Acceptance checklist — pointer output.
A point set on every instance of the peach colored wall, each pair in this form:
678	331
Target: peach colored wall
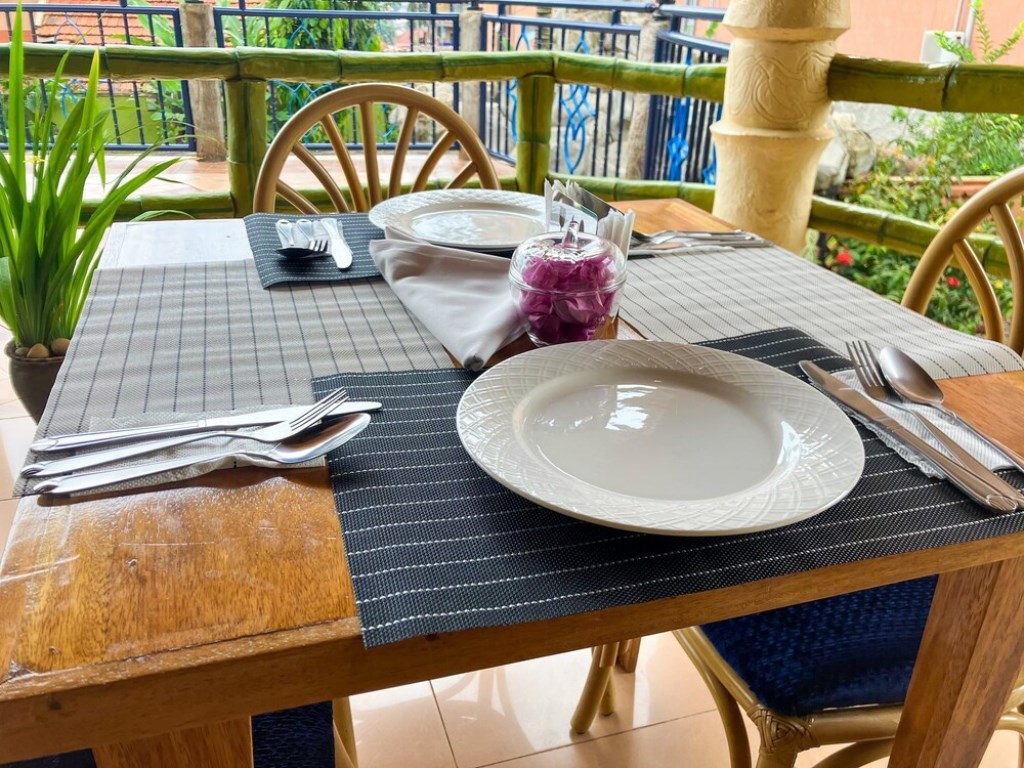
893	30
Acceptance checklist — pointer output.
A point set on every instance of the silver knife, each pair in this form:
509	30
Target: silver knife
258	418
339	248
975	487
329	438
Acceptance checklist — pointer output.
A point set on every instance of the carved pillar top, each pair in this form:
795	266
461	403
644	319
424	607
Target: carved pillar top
773	128
789	20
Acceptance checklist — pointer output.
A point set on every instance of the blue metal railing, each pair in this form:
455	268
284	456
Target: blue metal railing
590	123
678	130
143	113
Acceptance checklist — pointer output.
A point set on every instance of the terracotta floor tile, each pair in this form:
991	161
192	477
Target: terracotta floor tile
504	713
400	728
690	741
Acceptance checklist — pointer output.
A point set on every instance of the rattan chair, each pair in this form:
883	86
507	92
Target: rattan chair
339	106
995	201
832	671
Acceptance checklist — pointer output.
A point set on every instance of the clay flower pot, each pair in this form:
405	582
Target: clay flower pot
32	379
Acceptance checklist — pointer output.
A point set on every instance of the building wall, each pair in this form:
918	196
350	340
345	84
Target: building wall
894	30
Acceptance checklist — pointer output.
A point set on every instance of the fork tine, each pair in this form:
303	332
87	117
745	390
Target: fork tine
860	364
873	369
317	412
318	409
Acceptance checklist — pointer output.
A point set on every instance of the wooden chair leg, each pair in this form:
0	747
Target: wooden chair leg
629	652
344	735
595	694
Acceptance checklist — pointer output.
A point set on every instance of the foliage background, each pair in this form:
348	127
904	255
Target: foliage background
916	176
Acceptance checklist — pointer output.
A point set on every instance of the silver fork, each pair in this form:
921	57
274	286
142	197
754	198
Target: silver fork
872	379
274	433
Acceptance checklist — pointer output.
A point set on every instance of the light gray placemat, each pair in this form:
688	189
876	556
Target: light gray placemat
206	338
715	293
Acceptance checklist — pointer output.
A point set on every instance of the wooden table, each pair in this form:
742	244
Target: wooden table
113	631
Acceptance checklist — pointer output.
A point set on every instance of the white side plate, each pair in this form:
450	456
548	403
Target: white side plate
660	437
481	219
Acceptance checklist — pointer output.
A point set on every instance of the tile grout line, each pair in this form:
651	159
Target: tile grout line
594	739
444	725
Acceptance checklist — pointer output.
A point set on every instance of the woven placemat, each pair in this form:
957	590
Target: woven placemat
274	268
435	545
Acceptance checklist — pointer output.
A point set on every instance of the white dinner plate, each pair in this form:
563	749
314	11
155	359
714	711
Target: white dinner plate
481	219
660	437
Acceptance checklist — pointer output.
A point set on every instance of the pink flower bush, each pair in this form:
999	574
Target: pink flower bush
565	300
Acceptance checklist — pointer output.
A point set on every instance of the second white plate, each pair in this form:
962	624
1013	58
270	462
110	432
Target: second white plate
660	437
480	219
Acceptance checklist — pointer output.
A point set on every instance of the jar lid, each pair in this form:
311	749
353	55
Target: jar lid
570	245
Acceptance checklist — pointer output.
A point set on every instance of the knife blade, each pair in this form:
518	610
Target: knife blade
339	248
255	419
973	486
330	437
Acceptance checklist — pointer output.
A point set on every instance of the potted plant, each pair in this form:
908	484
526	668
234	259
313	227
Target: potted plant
47	258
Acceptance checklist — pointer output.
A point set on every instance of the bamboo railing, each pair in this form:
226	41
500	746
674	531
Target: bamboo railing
245	72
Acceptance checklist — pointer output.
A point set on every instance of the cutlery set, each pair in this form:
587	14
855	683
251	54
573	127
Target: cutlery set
590	205
675	240
296	434
323	237
894	379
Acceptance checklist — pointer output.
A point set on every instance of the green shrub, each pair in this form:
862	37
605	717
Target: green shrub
915	178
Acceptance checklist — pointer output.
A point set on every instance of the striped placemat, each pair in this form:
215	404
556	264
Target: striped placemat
274	269
435	545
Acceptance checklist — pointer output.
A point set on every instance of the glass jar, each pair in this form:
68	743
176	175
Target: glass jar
566	285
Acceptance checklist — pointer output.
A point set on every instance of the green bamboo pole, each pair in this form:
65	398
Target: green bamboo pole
898	233
611	189
200	205
956	87
137	62
247	139
953	87
702	81
533	120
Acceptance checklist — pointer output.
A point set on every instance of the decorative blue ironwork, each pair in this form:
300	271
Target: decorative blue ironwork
677	147
523	43
576	104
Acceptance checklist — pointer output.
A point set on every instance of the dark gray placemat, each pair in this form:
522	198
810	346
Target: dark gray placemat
435	545
274	268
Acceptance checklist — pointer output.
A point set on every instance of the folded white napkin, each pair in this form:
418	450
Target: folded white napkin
462	297
977	448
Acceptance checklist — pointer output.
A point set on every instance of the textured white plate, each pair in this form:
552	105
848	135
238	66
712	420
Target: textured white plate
660	437
482	219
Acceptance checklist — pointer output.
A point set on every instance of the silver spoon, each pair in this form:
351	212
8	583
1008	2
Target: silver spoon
293	451
915	384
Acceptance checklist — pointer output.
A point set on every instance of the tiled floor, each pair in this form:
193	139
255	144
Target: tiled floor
515	716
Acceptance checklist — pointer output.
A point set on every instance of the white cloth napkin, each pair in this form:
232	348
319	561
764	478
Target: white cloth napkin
462	297
977	448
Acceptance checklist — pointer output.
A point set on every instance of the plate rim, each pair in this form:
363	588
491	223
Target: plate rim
385	212
565	359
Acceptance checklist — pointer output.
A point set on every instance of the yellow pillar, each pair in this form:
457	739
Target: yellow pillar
772	130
